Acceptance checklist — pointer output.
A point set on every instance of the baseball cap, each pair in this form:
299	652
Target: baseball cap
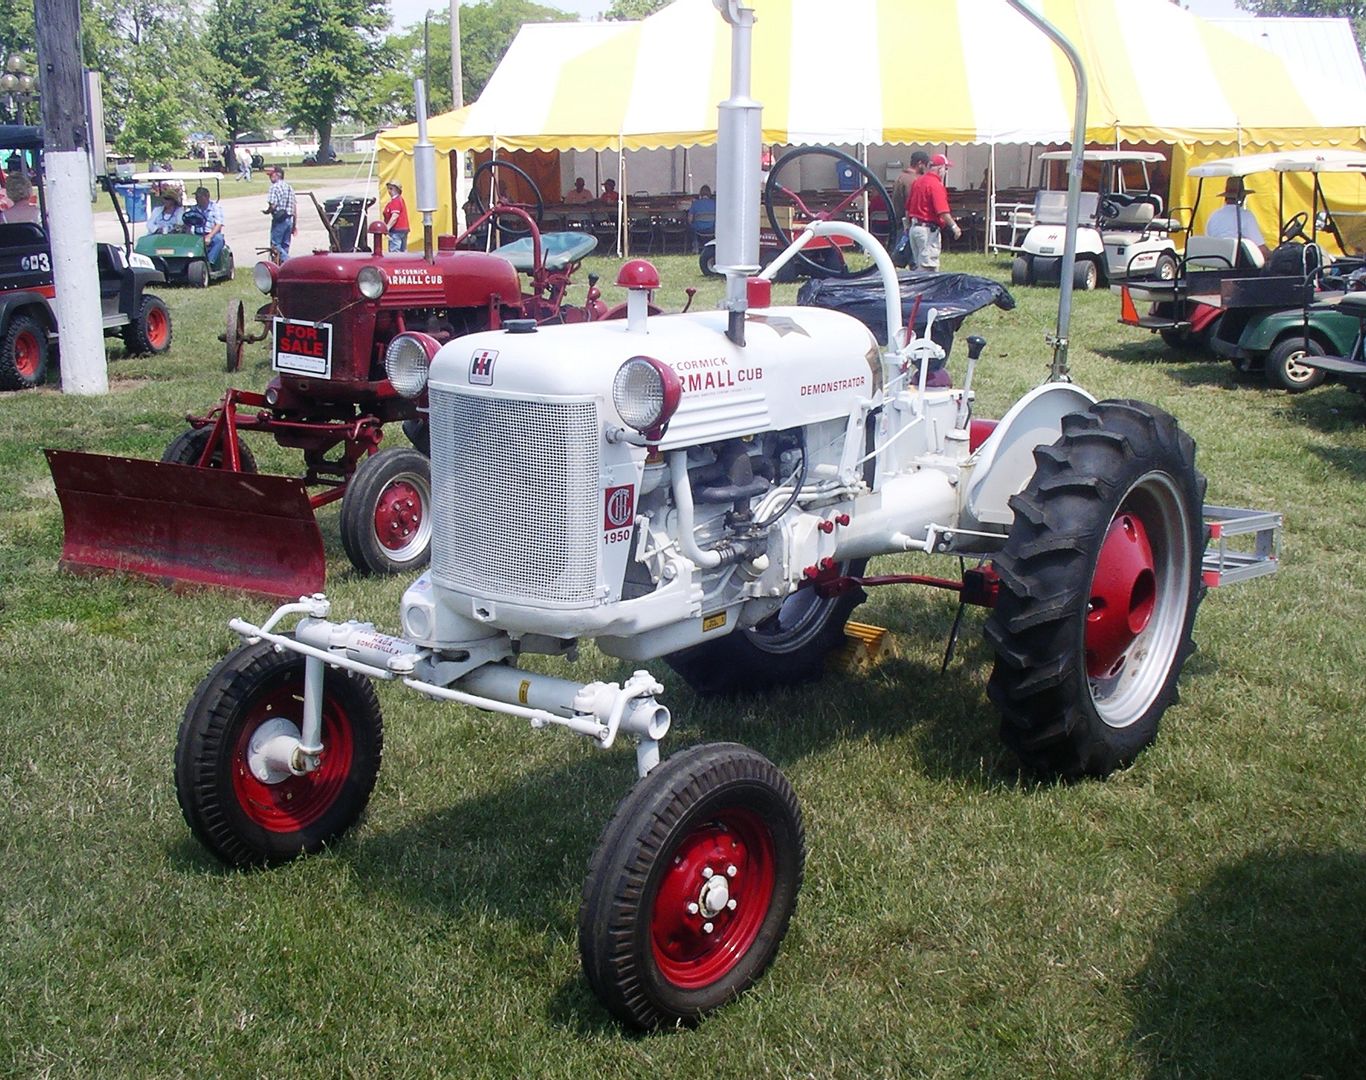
939	159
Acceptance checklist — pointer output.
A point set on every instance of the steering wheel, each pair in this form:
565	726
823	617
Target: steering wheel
829	261
1294	227
510	224
1109	208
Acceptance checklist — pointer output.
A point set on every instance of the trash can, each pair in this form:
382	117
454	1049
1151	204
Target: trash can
135	200
347	215
846	176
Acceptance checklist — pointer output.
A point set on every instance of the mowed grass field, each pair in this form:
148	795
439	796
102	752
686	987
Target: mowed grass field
1199	914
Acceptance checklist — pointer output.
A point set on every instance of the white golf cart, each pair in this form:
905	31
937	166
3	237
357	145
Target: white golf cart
1121	233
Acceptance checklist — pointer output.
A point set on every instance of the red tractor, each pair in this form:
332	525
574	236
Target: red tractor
342	372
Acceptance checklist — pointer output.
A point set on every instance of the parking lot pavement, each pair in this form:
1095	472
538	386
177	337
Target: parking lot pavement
247	228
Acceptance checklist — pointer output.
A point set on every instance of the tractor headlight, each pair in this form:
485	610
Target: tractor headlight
263	275
646	393
406	361
371	282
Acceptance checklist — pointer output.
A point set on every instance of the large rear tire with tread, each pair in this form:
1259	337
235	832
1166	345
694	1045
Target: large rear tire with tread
24	353
150	331
188	447
1100	582
386	515
243	812
692	886
787	648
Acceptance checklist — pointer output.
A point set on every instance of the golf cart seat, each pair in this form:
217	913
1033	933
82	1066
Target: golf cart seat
558	249
1221	253
21	234
1134	217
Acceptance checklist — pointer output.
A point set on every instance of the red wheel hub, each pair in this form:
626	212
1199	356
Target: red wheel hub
157	328
26	354
713	898
1123	595
398	515
296	801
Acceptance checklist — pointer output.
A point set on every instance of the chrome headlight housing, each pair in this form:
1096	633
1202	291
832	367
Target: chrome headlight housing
371	282
263	276
646	393
406	361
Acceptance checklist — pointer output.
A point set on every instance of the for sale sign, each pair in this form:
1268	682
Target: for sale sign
302	348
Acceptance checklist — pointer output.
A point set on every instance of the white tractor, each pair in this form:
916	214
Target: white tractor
1121	232
706	490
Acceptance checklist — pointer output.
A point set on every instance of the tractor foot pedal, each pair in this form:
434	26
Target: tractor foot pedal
864	646
1257	554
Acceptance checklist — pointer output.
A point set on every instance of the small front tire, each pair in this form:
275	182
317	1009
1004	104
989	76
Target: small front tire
150	331
386	515
246	814
1085	275
692	886
1022	270
187	448
24	354
1285	367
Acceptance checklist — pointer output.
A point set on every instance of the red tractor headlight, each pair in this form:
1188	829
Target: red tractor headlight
646	393
263	275
406	361
371	282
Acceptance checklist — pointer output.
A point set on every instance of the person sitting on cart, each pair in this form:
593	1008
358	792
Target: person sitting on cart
19	203
1233	220
168	217
205	218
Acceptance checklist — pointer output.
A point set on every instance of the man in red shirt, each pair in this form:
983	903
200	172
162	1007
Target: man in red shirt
927	210
396	217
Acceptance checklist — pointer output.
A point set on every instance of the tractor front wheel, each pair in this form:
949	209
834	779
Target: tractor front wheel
1100	581
386	515
788	647
242	807
692	886
187	448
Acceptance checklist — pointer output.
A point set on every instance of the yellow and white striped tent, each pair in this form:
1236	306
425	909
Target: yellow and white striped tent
891	71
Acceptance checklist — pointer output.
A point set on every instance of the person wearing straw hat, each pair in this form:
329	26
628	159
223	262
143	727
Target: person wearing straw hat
1233	220
167	218
396	217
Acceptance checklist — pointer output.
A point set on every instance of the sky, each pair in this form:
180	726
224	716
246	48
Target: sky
407	12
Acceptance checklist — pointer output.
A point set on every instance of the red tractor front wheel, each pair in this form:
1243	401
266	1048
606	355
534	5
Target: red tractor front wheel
692	886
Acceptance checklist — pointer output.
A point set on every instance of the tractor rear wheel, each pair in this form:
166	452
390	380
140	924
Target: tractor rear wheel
386	515
1285	367
188	447
787	648
243	809
1100	581
692	886
150	330
24	353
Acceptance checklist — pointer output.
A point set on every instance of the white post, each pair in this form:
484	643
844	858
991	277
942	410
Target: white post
72	235
460	189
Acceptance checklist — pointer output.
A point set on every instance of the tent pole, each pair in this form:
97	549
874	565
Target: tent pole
991	200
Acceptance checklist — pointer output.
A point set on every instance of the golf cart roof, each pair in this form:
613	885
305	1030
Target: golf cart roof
1150	156
1246	164
1323	161
20	137
153	177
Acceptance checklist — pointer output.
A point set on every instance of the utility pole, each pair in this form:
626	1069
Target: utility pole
459	189
71	222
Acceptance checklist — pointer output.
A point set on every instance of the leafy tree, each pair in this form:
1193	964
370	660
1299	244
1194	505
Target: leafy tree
151	128
241	37
634	9
331	52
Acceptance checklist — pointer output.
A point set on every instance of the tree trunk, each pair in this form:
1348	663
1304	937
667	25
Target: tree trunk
324	143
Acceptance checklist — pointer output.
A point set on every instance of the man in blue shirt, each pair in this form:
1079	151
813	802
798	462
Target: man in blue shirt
280	207
209	224
702	217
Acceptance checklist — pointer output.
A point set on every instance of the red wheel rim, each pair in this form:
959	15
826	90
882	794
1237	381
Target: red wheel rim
398	515
720	875
297	801
27	352
1123	595
158	328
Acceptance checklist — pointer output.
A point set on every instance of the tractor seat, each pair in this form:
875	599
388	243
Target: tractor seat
558	249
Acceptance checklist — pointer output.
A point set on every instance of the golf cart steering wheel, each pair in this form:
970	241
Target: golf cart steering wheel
1294	227
508	224
1109	208
829	261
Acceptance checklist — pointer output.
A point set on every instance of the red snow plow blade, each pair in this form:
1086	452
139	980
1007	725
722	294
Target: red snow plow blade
177	523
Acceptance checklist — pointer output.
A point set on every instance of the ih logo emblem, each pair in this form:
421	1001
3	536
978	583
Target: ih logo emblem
619	505
481	367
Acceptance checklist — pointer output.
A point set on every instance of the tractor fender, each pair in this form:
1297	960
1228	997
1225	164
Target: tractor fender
1004	463
30	303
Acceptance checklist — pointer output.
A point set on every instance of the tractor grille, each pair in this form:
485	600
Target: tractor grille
311	301
517	498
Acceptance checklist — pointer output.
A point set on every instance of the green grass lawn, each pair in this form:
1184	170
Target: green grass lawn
1199	914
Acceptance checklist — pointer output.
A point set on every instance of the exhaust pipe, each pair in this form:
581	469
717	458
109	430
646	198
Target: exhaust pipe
424	165
739	133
